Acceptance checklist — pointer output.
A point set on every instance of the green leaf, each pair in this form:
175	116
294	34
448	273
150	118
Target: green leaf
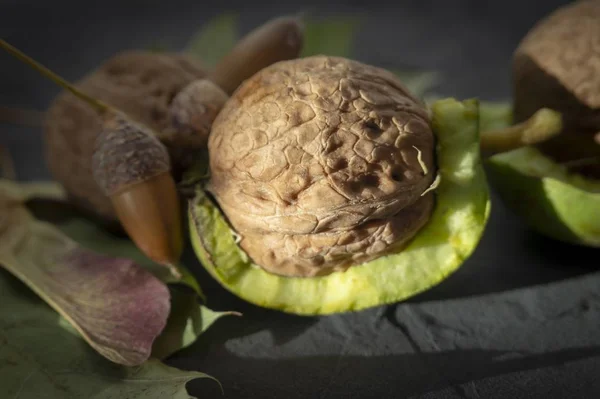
214	40
115	305
332	36
41	359
186	323
418	82
495	115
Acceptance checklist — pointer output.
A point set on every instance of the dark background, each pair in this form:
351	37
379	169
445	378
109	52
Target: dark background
518	320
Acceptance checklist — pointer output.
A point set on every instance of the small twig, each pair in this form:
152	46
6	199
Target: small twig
21	116
97	104
581	162
541	126
7	165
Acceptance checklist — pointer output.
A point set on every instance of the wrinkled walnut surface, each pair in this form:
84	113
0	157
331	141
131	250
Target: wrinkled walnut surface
141	84
323	253
311	160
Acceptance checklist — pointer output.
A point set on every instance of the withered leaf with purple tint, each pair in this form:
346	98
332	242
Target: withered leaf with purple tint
41	356
117	306
188	319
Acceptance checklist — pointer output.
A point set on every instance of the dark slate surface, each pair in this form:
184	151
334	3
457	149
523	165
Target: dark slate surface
520	319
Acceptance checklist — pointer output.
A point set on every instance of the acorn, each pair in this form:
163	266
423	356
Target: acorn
172	94
114	159
194	108
141	85
133	169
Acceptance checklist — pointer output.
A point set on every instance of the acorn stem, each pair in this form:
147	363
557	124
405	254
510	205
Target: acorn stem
97	104
541	126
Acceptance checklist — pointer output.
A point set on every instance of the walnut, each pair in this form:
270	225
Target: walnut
557	66
321	163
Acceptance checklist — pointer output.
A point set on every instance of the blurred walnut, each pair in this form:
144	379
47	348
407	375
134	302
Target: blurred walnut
557	65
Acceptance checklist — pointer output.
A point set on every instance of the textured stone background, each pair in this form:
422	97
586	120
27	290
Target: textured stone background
520	319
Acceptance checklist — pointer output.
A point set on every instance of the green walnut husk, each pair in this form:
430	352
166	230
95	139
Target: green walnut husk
447	240
552	201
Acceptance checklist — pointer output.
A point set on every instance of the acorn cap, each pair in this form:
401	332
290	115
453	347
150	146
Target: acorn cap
127	153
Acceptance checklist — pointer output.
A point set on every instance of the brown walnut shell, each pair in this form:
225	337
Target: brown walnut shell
314	160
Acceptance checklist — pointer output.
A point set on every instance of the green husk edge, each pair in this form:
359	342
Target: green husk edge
559	204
